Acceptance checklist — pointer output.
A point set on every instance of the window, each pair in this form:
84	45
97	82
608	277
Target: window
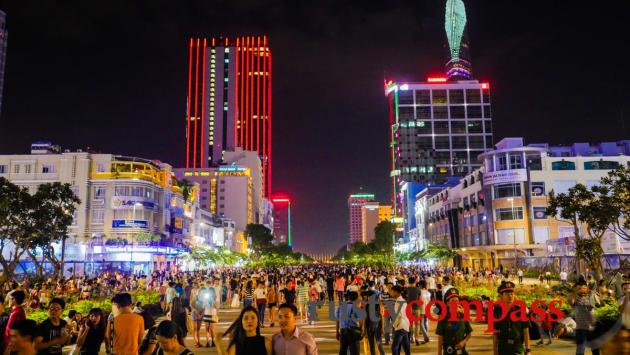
3	169
476	142
516	161
423	112
440	112
424	127
441	127
459	142
456	96
405	113
539	213
439	97
511	236
486	111
474	112
16	169
507	190
405	97
502	163
458	112
538	188
563	186
458	127
99	192
98	215
508	214
534	162
100	168
475	127
48	168
600	165
442	143
27	168
473	96
563	165
423	97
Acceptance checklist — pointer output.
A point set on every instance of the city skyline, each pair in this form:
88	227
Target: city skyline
120	86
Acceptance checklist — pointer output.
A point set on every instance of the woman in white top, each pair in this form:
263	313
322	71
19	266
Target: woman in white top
260	300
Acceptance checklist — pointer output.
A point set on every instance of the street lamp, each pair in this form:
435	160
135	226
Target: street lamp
137	204
513	229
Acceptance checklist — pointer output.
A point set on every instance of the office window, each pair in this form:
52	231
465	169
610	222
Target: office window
442	143
405	113
423	97
424	127
48	168
441	127
508	214
440	112
405	97
98	216
476	142
439	97
474	111
423	112
3	169
601	165
563	165
456	96
538	188
458	112
507	190
473	96
516	161
459	142
16	169
458	127
475	127
487	113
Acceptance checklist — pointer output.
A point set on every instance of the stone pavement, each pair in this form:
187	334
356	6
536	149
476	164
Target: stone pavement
324	333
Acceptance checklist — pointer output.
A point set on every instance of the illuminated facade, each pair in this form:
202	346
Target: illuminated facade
229	101
438	128
355	202
496	215
282	220
369	220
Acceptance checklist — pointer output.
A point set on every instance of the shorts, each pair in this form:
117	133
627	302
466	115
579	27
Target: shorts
210	319
271	305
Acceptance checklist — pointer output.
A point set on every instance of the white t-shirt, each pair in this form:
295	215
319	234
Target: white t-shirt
431	283
260	293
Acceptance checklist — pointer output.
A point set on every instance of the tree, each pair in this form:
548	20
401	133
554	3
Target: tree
260	235
15	226
383	237
186	187
54	205
592	210
147	237
618	185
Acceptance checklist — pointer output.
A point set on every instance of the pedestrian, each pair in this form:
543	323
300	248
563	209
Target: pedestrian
53	333
291	340
272	303
583	312
210	315
245	338
519	273
373	323
22	334
248	294
425	297
348	326
166	340
413	295
387	302
453	335
400	323
178	314
124	332
512	337
16	299
91	333
260	298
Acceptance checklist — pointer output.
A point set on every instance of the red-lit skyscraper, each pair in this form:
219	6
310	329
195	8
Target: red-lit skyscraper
229	101
282	220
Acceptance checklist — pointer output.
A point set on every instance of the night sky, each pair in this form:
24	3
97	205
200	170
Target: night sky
114	76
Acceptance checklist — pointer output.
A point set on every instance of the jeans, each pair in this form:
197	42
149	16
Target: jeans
374	335
261	313
347	344
401	339
581	338
340	297
424	327
388	327
331	295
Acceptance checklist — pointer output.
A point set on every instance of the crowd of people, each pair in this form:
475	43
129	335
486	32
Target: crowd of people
282	297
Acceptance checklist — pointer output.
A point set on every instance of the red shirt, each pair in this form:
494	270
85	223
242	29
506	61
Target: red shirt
16	314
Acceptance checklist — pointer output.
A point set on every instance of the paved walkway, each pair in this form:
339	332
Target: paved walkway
324	332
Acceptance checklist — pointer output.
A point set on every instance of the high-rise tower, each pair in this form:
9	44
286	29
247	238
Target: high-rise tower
458	67
229	101
3	52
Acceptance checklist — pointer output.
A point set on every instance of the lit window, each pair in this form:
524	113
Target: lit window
227	60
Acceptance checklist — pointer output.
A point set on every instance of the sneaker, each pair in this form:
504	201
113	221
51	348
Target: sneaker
417	342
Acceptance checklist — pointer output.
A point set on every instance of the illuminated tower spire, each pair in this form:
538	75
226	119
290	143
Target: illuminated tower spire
458	67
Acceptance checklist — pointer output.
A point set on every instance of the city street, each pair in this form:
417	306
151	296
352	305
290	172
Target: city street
324	333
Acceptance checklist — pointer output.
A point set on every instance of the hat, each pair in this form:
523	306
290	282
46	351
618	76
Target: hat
506	286
450	293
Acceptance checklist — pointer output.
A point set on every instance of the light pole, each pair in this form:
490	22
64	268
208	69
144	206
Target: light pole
137	204
513	229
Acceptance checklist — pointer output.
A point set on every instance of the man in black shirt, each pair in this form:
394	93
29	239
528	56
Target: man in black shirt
330	288
413	294
289	293
52	333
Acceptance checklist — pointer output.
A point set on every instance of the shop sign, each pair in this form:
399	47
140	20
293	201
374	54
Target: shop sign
129	223
122	202
505	176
